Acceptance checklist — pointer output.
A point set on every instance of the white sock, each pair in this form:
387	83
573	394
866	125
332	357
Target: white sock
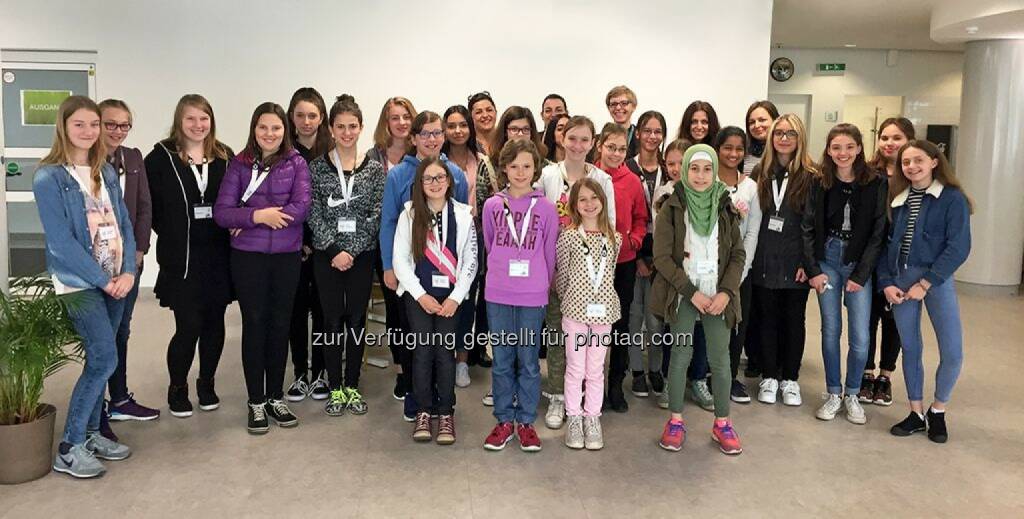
936	411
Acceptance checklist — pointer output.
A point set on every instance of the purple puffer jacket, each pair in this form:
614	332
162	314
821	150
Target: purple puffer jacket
287	187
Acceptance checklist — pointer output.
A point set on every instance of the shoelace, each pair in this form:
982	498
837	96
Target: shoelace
337	396
576	426
259	412
279	407
300	385
446	425
675	429
423	420
353	395
727	431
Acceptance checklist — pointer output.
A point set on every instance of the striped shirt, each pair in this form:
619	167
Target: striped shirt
914	205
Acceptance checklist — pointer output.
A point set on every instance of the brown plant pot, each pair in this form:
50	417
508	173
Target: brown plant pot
26	450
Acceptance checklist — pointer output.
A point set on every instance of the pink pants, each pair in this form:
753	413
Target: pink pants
585	349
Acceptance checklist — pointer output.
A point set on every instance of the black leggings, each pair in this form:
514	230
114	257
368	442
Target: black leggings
781	319
618	364
201	323
395	322
265	284
890	335
306	302
344	296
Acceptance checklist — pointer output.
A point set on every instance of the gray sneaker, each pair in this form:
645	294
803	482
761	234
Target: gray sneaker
462	375
663	397
701	395
78	462
106	449
593	437
574	432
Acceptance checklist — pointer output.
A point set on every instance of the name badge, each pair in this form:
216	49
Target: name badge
439	281
519	268
346	225
107	232
202	211
775	223
705	267
596	310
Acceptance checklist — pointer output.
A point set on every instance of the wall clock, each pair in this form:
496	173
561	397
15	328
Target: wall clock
781	69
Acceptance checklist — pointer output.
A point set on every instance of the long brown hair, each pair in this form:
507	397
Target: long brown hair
253	152
382	134
801	168
713	124
323	139
878	161
60	150
769	107
604	224
212	148
501	131
863	174
421	213
942	172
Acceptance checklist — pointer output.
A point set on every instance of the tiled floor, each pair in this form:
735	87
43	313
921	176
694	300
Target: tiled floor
368	466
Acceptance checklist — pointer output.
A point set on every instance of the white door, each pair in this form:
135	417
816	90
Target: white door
799	104
867	112
31	93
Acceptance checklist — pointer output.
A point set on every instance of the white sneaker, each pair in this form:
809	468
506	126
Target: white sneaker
854	411
556	412
462	375
593	437
828	410
574	433
488	399
790	392
767	390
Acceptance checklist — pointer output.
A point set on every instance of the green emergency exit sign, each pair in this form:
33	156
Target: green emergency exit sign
831	67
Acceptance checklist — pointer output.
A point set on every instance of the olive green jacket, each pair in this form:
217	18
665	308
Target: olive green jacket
671	281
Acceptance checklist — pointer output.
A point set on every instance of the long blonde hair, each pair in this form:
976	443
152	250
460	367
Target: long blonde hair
212	148
801	167
382	137
604	224
60	151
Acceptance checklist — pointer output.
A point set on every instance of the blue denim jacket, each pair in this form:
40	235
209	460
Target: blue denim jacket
942	235
68	246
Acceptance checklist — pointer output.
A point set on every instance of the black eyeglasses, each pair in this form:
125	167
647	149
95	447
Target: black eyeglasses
111	126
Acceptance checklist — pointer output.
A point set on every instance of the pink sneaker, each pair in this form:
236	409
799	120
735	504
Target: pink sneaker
725	435
673	436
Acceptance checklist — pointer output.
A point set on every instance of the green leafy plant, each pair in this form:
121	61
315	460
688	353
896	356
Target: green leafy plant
37	339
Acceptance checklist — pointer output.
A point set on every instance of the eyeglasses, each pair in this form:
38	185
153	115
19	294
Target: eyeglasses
435	179
482	94
787	134
619	104
437	134
610	148
515	130
111	126
652	131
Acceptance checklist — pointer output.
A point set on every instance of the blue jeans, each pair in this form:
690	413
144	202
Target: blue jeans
118	384
944	312
858	309
96	317
509	378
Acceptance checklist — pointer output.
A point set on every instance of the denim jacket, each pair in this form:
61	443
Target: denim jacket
68	246
942	235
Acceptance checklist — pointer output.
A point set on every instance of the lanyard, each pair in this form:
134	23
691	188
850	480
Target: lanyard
565	175
437	251
779	193
595	276
526	222
202	178
255	181
346	187
85	187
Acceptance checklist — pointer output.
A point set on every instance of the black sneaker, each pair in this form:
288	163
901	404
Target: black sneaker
911	424
738	393
178	402
657	382
485	360
278	411
616	398
752	371
936	426
208	399
400	389
640	385
299	389
258	423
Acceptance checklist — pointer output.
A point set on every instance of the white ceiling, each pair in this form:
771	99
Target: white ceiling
868	24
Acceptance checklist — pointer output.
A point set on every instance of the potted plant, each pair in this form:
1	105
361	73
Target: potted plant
37	338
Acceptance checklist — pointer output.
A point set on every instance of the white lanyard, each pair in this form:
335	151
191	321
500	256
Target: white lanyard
565	175
526	222
346	187
778	193
255	181
202	178
595	276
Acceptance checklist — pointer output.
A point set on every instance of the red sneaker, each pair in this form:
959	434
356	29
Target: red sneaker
499	437
728	440
528	439
673	436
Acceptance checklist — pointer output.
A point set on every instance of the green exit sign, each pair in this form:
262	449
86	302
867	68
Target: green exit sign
831	67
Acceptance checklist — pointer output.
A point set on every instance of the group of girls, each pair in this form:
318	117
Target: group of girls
705	246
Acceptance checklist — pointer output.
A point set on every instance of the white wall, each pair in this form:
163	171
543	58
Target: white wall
239	54
929	82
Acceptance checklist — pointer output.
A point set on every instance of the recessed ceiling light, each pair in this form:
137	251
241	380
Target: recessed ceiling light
972	29
850	45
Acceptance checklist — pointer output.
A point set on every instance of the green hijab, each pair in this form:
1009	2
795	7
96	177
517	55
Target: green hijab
701	206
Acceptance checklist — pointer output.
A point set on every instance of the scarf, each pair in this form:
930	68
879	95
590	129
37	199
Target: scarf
701	206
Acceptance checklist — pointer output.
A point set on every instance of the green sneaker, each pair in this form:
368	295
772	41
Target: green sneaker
701	395
356	404
336	403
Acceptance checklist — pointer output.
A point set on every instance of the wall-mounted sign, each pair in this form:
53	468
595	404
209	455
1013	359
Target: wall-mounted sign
39	107
830	69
